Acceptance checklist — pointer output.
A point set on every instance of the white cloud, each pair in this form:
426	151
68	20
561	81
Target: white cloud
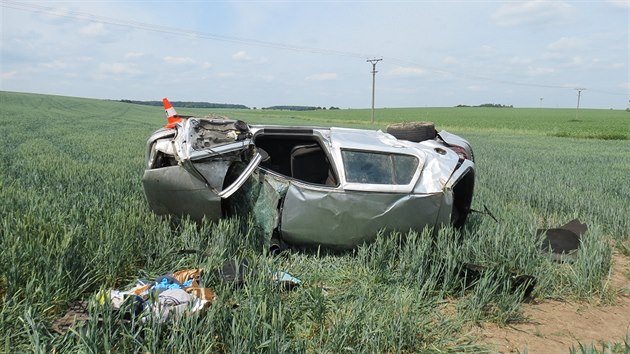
133	55
225	74
569	51
241	56
578	61
399	90
529	12
8	75
321	77
520	60
449	60
55	64
206	65
536	71
486	49
56	15
178	60
624	4
266	78
476	88
119	68
408	71
624	85
93	29
566	43
486	52
553	56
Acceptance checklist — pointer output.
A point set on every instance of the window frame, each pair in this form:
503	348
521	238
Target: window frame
379	187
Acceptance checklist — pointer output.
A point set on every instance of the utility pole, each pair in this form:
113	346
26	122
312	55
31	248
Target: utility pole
373	62
579	90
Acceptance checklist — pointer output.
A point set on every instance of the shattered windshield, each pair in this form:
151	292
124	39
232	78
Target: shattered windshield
378	168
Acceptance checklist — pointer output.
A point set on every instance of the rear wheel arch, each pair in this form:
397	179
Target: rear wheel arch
462	199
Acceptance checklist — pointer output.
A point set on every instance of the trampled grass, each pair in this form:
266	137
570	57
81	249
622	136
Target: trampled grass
74	221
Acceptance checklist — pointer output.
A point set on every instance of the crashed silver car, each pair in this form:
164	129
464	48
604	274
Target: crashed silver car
308	186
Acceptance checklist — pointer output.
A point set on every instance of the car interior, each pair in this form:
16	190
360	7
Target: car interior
297	156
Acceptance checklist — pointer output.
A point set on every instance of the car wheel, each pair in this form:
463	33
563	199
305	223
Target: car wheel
413	131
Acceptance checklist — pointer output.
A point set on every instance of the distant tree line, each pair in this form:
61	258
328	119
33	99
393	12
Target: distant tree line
299	108
187	104
490	105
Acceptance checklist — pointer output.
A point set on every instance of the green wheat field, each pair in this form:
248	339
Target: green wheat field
74	221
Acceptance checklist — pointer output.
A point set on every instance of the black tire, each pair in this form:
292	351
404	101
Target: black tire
413	131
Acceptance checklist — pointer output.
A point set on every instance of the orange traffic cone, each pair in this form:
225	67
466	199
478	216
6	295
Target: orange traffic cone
171	114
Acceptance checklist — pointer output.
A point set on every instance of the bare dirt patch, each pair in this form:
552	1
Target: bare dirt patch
554	326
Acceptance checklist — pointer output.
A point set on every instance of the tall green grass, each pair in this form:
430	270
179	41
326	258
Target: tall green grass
621	347
73	222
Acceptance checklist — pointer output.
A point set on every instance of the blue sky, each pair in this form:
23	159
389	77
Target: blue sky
264	53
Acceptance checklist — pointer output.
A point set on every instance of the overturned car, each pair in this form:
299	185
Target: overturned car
308	186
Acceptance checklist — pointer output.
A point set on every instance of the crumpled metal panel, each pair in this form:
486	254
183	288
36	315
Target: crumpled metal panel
199	138
203	149
354	217
440	163
214	172
453	139
446	207
173	190
150	153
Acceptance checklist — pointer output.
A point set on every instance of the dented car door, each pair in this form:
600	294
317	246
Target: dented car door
375	194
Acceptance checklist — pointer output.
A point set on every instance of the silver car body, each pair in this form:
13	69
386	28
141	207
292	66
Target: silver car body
309	186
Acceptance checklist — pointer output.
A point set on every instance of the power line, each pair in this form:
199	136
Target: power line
173	30
78	15
609	92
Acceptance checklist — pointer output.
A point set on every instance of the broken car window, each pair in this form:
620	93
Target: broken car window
378	168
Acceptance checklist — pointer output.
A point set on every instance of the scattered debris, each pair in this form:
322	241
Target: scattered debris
169	295
236	273
473	272
563	243
77	312
485	212
285	280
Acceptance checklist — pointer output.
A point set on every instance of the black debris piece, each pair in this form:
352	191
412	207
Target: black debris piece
234	272
472	272
77	313
562	243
